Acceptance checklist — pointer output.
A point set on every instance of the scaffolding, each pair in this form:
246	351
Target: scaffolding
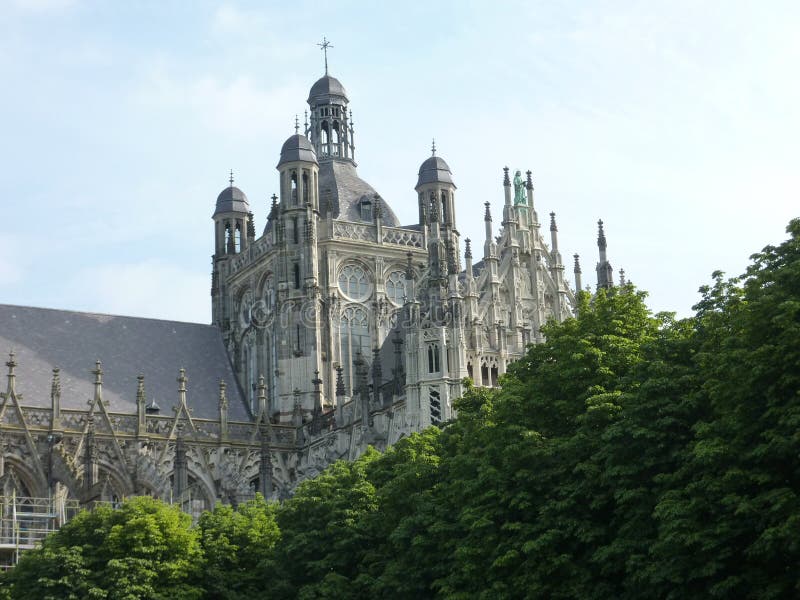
25	522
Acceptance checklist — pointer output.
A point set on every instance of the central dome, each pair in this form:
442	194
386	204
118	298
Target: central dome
325	87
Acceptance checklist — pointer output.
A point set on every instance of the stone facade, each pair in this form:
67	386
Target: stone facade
342	329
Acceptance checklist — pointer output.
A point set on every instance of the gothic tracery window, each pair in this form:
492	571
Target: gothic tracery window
353	337
354	283
396	287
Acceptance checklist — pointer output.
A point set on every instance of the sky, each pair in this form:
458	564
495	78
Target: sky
675	122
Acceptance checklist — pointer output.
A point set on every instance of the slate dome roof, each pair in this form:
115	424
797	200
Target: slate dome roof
297	147
326	86
434	170
232	199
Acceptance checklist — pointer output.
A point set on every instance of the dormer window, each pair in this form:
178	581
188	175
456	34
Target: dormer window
366	209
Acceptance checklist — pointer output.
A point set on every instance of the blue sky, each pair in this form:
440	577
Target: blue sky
677	123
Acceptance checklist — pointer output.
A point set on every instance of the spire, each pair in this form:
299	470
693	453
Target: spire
316	415
487	215
262	396
340	391
55	398
397	371
433	147
230	179
601	236
377	375
11	364
305	121
605	274
553	226
324	47
577	271
296	125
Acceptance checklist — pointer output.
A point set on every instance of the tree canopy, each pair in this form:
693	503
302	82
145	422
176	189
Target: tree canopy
631	455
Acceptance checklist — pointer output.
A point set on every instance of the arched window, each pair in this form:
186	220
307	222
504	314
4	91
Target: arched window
294	188
433	358
335	138
353	337
353	282
305	187
396	287
325	138
445	212
295	232
238	241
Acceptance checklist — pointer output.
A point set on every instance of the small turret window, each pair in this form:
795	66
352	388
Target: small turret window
335	139
305	187
325	138
433	358
294	188
445	212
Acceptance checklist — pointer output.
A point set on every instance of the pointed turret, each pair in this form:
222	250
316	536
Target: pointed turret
605	274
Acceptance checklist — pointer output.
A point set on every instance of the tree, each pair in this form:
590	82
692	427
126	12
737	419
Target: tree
238	545
144	550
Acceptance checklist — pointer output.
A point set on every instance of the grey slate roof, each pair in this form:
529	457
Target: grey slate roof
297	147
231	199
340	185
127	346
434	169
325	87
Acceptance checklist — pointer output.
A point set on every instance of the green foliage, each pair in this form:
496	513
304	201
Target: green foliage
629	456
238	545
145	549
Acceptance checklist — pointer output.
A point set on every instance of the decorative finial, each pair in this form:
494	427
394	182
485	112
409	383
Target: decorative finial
182	380
506	180
601	236
487	216
11	363
577	263
622	277
468	251
339	381
324	47
296	125
433	147
305	121
553	226
529	181
98	372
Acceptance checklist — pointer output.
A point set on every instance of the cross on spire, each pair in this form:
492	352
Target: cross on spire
324	47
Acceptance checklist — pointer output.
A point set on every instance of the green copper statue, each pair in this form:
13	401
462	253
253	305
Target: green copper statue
519	189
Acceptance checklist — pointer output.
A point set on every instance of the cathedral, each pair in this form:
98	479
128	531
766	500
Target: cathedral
333	328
